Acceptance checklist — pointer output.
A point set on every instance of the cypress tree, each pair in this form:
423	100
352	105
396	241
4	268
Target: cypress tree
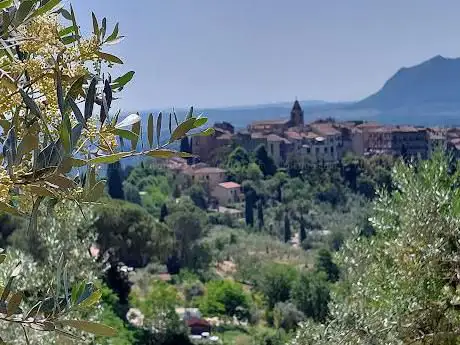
163	213
264	161
302	232
185	145
287	228
115	181
249	208
176	192
260	214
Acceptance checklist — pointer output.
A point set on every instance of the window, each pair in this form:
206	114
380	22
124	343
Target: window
207	177
271	148
317	150
308	150
332	149
325	150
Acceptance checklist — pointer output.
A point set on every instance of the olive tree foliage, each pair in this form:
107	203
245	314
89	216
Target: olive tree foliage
53	82
401	285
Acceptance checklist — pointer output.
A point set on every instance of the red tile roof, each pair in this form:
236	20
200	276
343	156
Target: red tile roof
274	137
270	122
210	170
229	185
294	135
194	321
325	129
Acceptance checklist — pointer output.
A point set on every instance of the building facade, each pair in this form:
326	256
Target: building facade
227	193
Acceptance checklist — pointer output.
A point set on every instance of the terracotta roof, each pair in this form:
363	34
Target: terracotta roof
325	129
229	185
210	170
293	135
368	125
381	129
270	122
309	135
405	129
274	137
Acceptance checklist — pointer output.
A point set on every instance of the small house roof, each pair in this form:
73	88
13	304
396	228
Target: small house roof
210	170
194	321
229	185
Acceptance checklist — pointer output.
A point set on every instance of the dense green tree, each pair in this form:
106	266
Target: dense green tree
253	172
115	181
187	224
351	169
366	186
310	293
131	193
198	196
264	161
238	157
238	165
129	234
287	228
224	297
325	264
275	282
287	316
399	286
157	304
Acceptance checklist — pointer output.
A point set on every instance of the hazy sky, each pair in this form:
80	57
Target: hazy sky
237	52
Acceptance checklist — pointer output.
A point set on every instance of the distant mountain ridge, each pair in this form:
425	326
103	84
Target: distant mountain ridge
436	80
424	94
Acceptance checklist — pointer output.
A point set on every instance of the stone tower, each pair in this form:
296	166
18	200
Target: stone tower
296	115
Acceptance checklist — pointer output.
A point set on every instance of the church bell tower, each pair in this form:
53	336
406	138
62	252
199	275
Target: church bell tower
296	115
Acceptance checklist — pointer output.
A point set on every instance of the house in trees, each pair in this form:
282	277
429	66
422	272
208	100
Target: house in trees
203	146
227	193
209	176
198	326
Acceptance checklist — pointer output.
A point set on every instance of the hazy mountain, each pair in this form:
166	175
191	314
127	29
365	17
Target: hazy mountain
436	81
424	94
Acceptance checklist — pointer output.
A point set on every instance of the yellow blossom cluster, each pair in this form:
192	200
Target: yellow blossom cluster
5	185
47	57
41	36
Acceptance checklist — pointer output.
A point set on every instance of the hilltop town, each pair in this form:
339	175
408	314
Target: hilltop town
327	141
292	141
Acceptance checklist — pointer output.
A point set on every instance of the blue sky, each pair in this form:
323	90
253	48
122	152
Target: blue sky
211	53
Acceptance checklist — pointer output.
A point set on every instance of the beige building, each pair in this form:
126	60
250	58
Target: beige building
410	141
227	193
204	146
210	176
379	140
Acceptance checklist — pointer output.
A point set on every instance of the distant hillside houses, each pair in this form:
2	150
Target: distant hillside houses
327	141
